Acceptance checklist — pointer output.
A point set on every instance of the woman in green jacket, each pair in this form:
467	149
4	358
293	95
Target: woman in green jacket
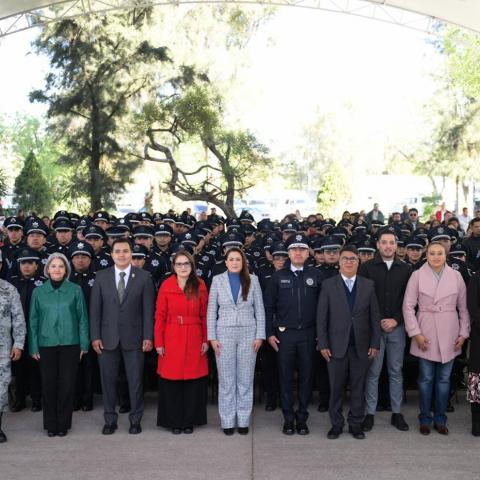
58	337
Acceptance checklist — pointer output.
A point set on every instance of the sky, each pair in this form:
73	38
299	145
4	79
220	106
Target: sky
375	77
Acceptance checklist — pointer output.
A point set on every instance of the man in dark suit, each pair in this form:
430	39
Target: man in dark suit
121	326
348	332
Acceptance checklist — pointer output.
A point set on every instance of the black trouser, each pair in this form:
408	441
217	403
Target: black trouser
58	367
182	403
27	378
296	347
323	380
109	362
269	373
84	383
340	369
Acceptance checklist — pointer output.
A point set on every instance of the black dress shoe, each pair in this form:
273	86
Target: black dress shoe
77	407
270	407
87	408
176	431
62	433
323	407
243	430
288	428
51	433
135	429
399	422
229	431
109	428
188	430
18	407
3	437
368	422
356	432
124	408
334	433
450	407
302	428
36	407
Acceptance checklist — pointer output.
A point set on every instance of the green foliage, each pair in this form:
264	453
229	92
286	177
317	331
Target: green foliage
99	66
31	191
334	193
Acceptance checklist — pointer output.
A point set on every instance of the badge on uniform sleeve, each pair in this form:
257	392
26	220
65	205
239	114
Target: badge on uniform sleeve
309	281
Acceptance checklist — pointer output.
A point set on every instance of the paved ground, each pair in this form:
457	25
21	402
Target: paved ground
264	454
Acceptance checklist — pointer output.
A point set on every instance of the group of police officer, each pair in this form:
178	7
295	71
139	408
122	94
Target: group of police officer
85	240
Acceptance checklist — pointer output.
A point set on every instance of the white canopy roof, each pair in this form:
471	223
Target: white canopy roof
465	13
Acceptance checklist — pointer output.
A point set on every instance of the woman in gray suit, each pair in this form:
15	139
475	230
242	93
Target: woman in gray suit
236	330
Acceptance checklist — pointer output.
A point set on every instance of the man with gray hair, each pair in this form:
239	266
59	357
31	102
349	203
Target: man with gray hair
12	338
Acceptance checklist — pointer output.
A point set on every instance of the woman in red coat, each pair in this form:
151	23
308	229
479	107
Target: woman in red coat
181	343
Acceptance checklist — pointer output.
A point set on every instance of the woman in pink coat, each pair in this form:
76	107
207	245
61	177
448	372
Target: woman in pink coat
438	331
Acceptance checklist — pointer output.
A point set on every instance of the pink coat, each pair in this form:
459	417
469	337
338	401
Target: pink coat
437	317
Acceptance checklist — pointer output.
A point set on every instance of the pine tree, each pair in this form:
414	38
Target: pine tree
31	192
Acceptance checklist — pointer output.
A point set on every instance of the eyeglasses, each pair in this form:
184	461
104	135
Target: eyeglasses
182	264
348	259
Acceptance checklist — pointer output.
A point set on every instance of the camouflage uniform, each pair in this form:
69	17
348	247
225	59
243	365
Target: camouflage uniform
12	328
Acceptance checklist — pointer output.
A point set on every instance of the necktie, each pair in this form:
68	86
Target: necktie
349	284
121	287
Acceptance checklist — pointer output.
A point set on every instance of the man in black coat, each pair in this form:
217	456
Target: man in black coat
121	326
390	276
348	331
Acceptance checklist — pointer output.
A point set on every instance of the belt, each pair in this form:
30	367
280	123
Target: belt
436	308
184	320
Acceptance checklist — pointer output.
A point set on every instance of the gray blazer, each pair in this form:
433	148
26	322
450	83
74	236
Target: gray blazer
224	312
335	320
129	322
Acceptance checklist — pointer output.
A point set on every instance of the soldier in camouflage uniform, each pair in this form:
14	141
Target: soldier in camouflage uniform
12	339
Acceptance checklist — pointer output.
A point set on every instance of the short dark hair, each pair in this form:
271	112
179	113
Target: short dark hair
413	210
349	248
386	232
122	240
473	221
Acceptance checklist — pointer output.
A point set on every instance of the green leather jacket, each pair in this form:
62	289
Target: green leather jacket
58	317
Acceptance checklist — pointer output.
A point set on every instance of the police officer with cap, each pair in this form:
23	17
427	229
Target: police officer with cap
26	371
415	247
14	241
81	255
63	229
95	236
290	304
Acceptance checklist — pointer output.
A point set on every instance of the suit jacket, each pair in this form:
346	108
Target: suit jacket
129	322
442	312
224	312
335	320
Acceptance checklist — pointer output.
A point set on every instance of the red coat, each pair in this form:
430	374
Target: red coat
181	327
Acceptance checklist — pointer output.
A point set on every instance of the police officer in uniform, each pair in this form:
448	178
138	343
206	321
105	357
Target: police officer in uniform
26	371
95	236
81	258
290	305
13	243
63	236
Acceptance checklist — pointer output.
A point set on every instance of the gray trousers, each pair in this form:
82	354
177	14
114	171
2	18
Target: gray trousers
339	370
236	368
5	377
109	362
394	344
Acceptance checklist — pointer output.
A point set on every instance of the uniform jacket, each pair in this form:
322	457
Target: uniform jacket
291	300
473	302
437	317
335	320
12	321
58	317
129	322
181	327
390	285
224	312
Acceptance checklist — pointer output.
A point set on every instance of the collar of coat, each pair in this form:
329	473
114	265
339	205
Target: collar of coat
64	287
378	259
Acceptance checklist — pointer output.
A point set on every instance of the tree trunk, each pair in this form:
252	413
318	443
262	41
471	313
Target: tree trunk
95	177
